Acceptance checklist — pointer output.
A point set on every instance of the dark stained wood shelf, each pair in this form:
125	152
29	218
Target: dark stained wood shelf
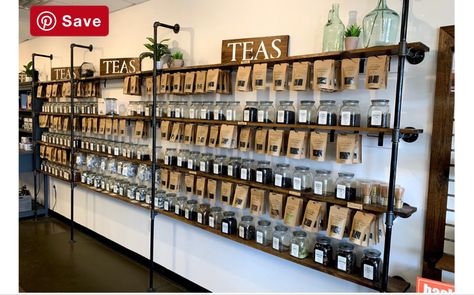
137	118
25	112
446	263
25	131
120	158
52	175
53	145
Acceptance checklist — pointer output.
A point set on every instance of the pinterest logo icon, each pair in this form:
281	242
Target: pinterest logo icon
46	21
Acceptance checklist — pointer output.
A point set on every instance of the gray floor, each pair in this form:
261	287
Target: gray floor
49	263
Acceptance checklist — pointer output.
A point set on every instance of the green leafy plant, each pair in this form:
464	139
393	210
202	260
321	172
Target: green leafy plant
162	49
177	55
352	31
28	69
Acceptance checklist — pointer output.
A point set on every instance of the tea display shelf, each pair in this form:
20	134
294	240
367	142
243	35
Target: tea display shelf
24	86
53	145
133	118
119	158
25	131
25	112
52	175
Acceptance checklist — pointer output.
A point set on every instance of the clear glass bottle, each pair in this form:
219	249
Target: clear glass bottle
264	172
247	228
323	251
229	223
169	204
193	160
171	157
286	112
206	162
350	113
302	179
263	234
215	218
380	26
346	186
191	210
233	167
180	205
327	113
251	111
379	114
281	238
371	265
132	190
247	170
203	214
307	112
182	159
345	257
283	176
299	244
219	166
333	38
233	111
266	112
323	184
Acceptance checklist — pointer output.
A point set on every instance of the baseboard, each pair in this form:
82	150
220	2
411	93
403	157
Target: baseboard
189	285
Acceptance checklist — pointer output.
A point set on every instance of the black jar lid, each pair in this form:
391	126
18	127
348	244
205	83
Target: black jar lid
216	209
307	102
299	234
283	165
346	247
264	222
263	162
171	195
372	253
183	150
380	100
346	174
323	240
328	101
281	228
182	198
191	202
304	168
266	102
323	171
247	218
229	214
352	101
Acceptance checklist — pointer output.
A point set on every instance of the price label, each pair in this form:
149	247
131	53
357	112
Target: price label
211	221
176	209
276	244
241	232
281	117
199	218
302	116
259	176
225	227
341	263
295	250
323	118
341	191
259	237
318	256
297	183
318	187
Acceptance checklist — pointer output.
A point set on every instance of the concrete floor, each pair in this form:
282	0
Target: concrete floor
49	263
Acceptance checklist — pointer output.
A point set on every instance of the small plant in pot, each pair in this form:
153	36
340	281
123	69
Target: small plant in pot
177	59
162	53
28	71
352	37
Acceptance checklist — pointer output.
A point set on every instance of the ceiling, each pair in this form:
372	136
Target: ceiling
24	20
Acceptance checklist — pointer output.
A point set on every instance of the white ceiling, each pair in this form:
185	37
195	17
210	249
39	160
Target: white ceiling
24	21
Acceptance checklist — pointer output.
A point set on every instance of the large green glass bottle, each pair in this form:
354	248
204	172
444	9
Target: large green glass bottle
333	38
380	26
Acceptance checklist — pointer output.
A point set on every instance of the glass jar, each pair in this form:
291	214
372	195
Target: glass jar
233	167
193	161
286	112
302	179
98	181
306	112
247	170
140	194
161	108
191	210
251	111
219	166
131	191
180	110
264	172
124	188
263	234
323	184
206	111
169	204
333	37
233	111
346	186
327	113
193	111
379	114
215	217
180	205
160	196
203	214
143	153
247	228
206	163
350	113
182	160
323	251
171	157
380	26
266	112
220	111
229	223
171	109
281	238
132	108
132	151
283	176
117	148
148	196
345	257
299	244
371	265
117	185
141	106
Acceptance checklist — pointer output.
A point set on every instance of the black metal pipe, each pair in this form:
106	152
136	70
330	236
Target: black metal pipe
34	81
395	140
71	119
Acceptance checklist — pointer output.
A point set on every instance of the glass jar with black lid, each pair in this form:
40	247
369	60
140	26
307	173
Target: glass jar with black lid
171	109
193	160
250	111
247	228
215	217
191	210
219	166
345	258
181	109
194	110
247	170
182	159
266	112
350	113
286	112
323	184
283	176
203	213
327	113
160	197
323	251
180	205
264	172
346	186
233	111
379	114
169	204
233	167
371	265
220	111
161	109
206	111
229	223
299	244
281	238
302	179
171	157
306	112
206	162
263	234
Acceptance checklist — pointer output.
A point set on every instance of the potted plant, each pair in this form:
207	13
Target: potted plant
352	37
162	52
28	71
177	59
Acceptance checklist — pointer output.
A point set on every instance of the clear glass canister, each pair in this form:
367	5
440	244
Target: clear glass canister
229	223
286	112
206	111
251	111
299	244
220	111
233	167
180	205
160	197
327	113
380	26
193	110
206	163
233	111
193	160
323	251
219	166
283	176
171	109
346	186
345	258
323	184
132	108
307	112
140	194
247	228
281	238
171	157
350	113
247	170
111	106
131	191
215	217
182	159
161	108
181	109
169	204
203	214
141	105
263	235
371	265
379	114
264	172
302	179
191	210
266	112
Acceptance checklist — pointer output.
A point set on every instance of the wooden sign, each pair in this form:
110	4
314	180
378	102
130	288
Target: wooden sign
427	286
114	66
261	48
62	73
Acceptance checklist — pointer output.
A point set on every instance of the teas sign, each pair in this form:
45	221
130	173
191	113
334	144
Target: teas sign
427	286
63	73
72	20
114	66
262	48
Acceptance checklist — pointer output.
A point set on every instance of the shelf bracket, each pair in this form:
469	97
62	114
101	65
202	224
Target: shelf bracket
331	136
415	56
409	137
380	139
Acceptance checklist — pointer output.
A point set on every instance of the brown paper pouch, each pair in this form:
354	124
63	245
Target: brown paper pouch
228	136
276	142
84	126
189	181
115	127
280	75
246	139
242	81
200	81
293	211
357	155
227	191
126	85
94	125
54	90
299	80
212	189
213	135
176	83
261	141
189	82
39	91
108	126
337	221
149	85
101	126
311	218
201	187
241	196
164	176
277	204
211	80
377	72
257	201
322	76
297	142
202	135
122	127
345	148
350	73
66	124
318	146
259	76
165	130
175	181
360	230
42	151
189	133
139	129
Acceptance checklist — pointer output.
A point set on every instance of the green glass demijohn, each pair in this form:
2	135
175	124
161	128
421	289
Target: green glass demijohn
380	26
333	38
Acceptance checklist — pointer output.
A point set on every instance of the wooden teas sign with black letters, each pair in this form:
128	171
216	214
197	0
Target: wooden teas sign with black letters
115	66
261	48
63	73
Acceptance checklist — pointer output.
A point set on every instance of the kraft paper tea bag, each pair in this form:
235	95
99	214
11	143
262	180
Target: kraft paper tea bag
163	83
54	91
277	142
189	181
212	189
39	91
377	72
189	82
241	196
165	130
177	133
139	129
318	146
211	80
350	73
102	126
326	75
300	74
189	133
95	126
293	211
108	126
277	204
361	227
175	181
200	84
348	149
297	142
312	216
259	76
246	139
164	176
149	85
213	136
257	201
338	218
242	81
202	135
227	192
201	187
280	77
126	85
122	127
115	127
228	136
261	141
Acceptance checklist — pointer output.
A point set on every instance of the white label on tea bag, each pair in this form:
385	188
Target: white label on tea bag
341	263
190	164
191	113
259	176
216	168
241	232
246	115
167	160
297	183
276	244
318	256
211	221
323	118
376	118
176	209
341	191
259	237
203	114
295	250
345	118
180	161
369	272
229	116
318	187
225	227
302	116
243	173
229	170
281	117
278	179
186	213
199	218
202	166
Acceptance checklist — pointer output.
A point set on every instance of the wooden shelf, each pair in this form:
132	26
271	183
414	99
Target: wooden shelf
25	131
25	112
120	158
52	175
135	118
25	86
446	263
53	145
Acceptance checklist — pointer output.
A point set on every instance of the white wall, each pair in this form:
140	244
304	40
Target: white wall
191	252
